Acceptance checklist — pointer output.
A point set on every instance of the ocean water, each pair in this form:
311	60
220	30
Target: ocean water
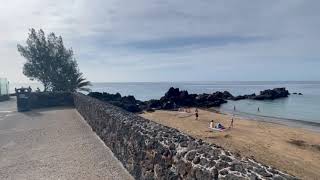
305	108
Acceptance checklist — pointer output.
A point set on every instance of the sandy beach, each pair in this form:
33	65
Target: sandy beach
293	150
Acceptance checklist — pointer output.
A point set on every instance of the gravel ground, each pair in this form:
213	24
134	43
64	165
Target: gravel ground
53	143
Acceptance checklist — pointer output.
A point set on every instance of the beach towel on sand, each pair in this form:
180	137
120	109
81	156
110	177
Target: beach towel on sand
217	129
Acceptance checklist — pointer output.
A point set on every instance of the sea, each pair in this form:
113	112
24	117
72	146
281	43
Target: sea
297	110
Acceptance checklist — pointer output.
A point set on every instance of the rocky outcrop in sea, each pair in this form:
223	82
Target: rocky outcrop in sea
175	98
269	94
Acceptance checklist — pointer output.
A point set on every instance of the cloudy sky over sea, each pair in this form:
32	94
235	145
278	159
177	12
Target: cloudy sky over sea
165	40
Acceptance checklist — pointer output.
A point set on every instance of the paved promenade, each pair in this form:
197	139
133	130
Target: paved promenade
53	143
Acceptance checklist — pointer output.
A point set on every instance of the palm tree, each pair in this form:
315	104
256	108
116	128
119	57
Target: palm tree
79	83
82	83
72	82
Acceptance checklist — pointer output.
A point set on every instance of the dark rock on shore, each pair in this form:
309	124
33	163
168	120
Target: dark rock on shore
128	103
272	94
209	100
174	98
169	105
269	94
180	98
250	96
105	96
153	104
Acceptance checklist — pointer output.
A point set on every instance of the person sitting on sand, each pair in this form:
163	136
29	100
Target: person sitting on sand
219	126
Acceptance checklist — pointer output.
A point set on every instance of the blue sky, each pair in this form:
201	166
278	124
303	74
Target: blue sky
164	40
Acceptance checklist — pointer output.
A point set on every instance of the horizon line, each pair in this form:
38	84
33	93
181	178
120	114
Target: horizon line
36	82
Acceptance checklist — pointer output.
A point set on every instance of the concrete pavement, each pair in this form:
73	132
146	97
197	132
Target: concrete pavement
53	143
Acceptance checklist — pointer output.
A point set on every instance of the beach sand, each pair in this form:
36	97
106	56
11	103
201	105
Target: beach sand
293	150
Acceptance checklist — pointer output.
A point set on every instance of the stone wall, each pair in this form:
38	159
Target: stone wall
50	99
152	151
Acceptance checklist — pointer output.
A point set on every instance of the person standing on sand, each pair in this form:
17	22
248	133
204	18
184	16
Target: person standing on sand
231	124
211	124
258	109
197	113
234	108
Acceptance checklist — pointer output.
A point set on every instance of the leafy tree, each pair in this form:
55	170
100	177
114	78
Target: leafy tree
49	62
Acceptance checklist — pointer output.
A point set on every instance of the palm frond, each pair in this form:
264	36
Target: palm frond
85	89
83	84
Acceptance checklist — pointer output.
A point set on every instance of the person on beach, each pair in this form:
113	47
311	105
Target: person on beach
216	126
258	109
219	126
197	114
211	124
231	124
234	108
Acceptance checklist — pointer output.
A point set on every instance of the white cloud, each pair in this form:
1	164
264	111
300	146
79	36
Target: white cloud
118	40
